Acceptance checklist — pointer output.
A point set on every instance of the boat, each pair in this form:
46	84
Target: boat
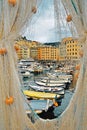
38	69
41	95
59	75
59	90
55	81
50	84
66	81
26	74
26	62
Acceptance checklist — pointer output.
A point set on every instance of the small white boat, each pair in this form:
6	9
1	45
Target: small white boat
38	69
58	90
26	74
63	76
50	84
53	81
30	69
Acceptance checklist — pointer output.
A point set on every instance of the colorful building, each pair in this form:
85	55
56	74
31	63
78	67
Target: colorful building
48	53
69	49
25	47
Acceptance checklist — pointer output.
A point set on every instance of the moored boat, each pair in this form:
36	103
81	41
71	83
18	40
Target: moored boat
50	84
41	95
59	75
55	81
26	74
59	90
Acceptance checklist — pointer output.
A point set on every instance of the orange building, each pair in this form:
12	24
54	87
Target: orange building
48	53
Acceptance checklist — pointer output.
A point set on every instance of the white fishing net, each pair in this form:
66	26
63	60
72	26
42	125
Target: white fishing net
12	116
13	17
75	116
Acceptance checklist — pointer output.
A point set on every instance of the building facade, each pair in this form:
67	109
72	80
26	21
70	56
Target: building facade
62	52
34	53
69	49
27	48
48	53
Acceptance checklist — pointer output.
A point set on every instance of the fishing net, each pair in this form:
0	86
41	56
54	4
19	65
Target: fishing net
14	14
12	114
75	116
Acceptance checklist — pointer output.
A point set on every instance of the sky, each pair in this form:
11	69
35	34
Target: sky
42	26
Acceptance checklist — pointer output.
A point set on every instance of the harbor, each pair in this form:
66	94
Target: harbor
42	88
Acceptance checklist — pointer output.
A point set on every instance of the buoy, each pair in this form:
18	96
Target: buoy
81	53
3	51
9	100
34	10
69	18
77	67
12	2
56	104
16	47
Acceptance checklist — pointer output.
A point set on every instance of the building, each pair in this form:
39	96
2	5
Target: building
69	49
34	53
62	52
48	53
27	48
72	49
24	50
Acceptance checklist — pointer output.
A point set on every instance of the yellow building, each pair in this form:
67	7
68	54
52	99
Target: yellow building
24	50
69	49
48	53
23	53
25	46
72	49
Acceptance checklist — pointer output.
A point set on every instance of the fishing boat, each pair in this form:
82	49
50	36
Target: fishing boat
58	75
47	84
55	81
38	69
26	74
66	81
41	95
59	90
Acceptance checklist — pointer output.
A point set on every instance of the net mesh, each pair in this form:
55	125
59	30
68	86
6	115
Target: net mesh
75	116
13	117
12	19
